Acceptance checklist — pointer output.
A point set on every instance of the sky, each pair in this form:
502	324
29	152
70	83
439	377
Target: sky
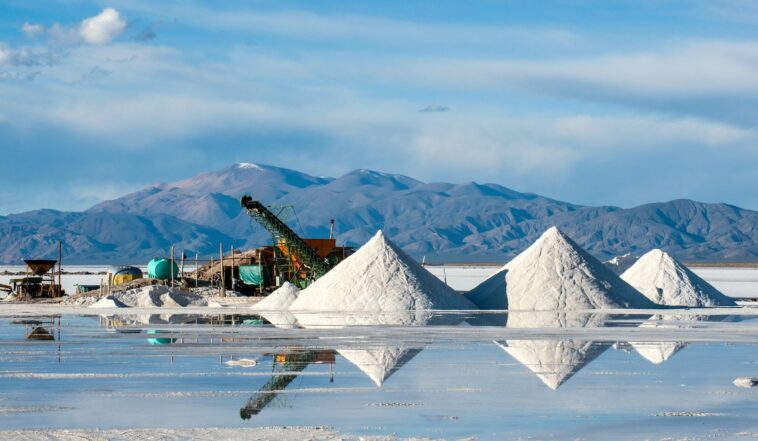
592	102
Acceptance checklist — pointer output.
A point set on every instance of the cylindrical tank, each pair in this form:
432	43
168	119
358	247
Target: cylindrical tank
123	274
161	269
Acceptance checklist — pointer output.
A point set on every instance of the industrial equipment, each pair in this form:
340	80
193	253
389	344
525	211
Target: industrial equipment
162	269
118	275
294	259
39	280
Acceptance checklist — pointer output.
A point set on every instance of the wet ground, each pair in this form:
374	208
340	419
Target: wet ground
488	376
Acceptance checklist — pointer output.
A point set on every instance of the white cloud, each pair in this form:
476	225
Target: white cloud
32	30
102	28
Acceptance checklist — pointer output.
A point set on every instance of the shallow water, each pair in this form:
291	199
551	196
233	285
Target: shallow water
490	376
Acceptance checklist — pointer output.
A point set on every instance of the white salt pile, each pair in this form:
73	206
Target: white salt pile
746	382
274	307
158	296
490	294
555	273
378	278
242	362
554	361
619	264
665	281
108	302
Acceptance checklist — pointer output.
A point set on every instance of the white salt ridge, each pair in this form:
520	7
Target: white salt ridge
379	277
554	361
619	264
274	307
490	294
108	302
665	281
158	296
556	274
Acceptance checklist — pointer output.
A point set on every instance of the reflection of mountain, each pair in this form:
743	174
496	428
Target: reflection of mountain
554	361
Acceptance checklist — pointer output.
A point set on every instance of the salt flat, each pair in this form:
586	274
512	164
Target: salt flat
120	373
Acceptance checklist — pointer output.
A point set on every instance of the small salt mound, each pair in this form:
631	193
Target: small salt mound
490	294
379	364
274	307
555	273
281	299
159	296
379	277
619	264
665	281
108	302
554	361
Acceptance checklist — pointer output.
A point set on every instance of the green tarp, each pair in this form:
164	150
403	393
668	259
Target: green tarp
253	274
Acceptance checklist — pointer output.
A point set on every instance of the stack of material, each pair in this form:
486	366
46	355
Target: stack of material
378	278
666	281
274	307
556	274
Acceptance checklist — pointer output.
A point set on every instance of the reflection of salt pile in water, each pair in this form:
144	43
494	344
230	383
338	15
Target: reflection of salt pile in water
379	364
556	274
379	285
378	278
274	307
665	281
658	352
554	361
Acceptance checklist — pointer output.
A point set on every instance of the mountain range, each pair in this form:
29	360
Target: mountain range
442	221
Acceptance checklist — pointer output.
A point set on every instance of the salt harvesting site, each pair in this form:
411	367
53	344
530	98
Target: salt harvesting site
554	345
371	220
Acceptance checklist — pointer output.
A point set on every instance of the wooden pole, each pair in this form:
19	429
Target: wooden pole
233	279
60	261
181	270
222	290
172	266
211	270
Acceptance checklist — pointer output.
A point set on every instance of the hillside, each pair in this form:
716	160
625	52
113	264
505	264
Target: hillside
463	222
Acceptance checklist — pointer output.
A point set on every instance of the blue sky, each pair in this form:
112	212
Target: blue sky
593	102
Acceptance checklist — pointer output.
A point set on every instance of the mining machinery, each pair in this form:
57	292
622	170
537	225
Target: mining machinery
295	259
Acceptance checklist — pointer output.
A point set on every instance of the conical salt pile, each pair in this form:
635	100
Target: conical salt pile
379	277
274	308
555	273
554	361
108	302
665	281
379	364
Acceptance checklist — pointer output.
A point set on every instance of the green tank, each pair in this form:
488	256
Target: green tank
161	269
